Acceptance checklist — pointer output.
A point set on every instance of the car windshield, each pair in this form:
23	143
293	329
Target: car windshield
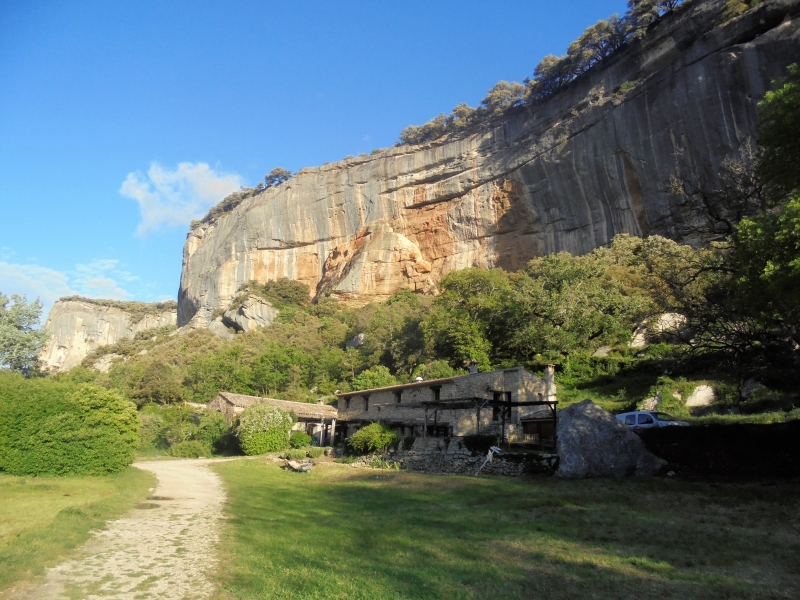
663	416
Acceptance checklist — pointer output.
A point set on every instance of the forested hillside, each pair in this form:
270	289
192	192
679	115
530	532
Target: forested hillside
735	300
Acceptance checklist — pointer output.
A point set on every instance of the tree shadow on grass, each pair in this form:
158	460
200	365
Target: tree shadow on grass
346	534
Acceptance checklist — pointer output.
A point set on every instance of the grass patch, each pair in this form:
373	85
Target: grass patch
344	533
42	518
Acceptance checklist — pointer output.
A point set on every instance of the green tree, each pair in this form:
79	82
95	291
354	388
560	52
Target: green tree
158	383
468	316
765	260
376	377
563	304
276	177
20	341
501	97
779	124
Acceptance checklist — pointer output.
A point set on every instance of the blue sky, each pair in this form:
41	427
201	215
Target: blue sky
120	121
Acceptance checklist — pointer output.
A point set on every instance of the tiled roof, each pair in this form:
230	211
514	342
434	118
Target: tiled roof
301	409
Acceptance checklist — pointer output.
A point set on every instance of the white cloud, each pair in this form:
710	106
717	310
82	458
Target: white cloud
171	198
97	279
93	279
34	282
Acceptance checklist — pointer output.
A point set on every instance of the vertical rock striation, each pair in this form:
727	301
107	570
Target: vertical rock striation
78	328
566	174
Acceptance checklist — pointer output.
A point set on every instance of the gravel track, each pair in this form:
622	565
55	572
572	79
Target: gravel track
162	549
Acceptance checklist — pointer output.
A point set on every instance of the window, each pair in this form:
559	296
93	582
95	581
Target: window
495	413
630	419
347	402
366	403
645	419
664	416
436	392
398	396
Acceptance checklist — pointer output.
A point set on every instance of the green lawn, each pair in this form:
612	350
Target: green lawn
42	518
345	533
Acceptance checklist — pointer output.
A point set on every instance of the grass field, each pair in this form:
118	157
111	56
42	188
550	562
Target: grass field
42	518
362	534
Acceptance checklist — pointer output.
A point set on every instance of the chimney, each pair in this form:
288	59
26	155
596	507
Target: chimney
549	383
473	366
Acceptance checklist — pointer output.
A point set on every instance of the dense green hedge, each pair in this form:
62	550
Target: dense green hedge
372	438
52	428
264	428
299	439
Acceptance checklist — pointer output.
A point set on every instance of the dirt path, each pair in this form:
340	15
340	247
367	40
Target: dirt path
162	549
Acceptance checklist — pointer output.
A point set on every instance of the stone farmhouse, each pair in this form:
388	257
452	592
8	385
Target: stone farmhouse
317	420
514	404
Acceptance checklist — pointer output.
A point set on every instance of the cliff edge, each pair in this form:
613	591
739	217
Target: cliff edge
567	174
79	326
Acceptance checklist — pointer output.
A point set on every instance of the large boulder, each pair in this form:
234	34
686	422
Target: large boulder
593	443
703	395
254	312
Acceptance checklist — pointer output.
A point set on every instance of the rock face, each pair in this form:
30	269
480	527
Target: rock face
593	443
567	174
78	328
254	312
703	395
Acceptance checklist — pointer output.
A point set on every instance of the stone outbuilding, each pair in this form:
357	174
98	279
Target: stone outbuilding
317	420
514	404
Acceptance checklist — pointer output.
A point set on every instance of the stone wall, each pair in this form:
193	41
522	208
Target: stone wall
400	407
443	455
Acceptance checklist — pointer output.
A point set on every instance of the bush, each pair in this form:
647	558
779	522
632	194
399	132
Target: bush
213	431
316	452
299	439
382	463
372	438
294	454
52	428
162	427
191	449
263	428
479	444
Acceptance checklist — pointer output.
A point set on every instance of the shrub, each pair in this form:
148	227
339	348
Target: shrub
382	463
263	428
52	428
213	431
372	438
299	439
190	449
161	427
316	452
296	454
479	444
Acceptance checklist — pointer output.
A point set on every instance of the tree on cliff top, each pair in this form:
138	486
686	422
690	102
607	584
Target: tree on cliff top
20	342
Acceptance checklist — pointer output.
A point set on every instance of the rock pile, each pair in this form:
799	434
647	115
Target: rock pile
593	443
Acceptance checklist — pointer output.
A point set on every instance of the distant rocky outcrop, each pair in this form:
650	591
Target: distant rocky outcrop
569	173
79	326
593	443
252	313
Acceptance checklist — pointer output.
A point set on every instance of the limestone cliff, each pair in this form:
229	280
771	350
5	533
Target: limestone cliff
79	327
567	174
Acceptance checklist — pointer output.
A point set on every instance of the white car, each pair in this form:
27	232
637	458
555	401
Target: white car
645	419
